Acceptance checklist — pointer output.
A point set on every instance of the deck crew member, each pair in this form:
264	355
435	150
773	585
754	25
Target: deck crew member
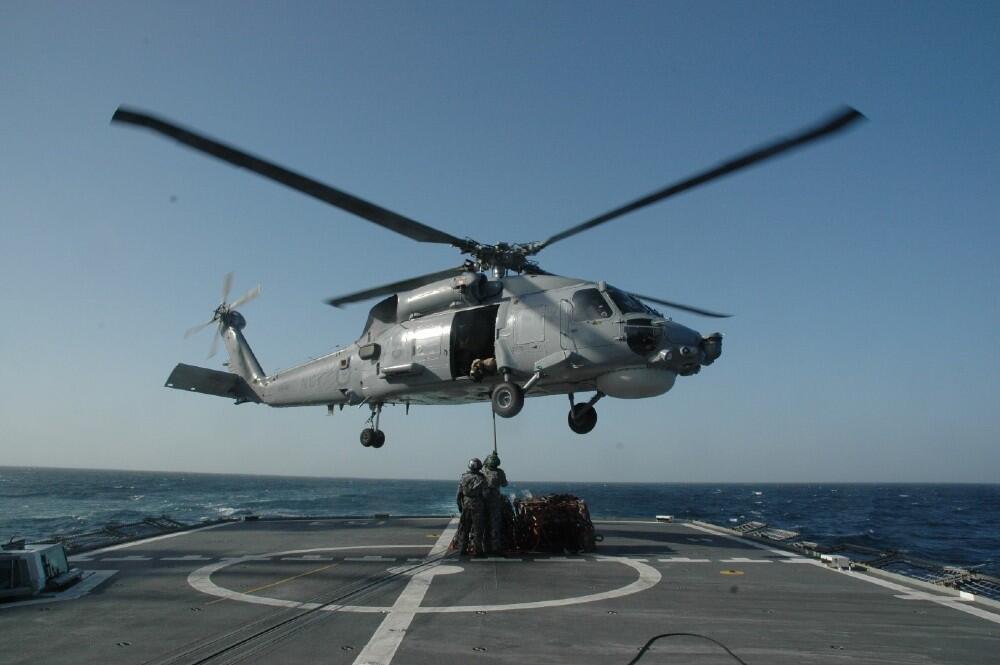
499	538
471	499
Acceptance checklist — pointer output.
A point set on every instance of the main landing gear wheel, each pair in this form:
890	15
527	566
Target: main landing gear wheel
508	400
372	438
582	418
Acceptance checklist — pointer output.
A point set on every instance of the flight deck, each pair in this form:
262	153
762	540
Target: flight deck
385	590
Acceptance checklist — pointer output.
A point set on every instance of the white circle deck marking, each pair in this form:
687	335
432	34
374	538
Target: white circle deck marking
201	579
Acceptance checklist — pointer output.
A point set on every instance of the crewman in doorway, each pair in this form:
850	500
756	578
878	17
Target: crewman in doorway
481	367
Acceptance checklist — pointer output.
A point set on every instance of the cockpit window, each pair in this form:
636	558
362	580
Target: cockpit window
588	304
628	303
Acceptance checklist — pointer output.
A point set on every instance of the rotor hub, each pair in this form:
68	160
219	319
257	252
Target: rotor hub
230	317
504	256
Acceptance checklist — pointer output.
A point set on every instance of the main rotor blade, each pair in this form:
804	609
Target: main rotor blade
246	297
335	197
838	122
227	283
686	308
396	287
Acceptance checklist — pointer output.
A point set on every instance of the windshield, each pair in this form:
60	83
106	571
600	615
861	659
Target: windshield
628	303
588	304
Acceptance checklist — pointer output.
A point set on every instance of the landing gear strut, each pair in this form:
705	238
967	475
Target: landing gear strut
373	437
583	417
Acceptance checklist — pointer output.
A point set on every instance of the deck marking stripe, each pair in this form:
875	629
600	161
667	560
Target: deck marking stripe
444	540
957	604
743	559
382	646
268	586
742	541
907	593
133	543
648	578
946	601
684	559
200	579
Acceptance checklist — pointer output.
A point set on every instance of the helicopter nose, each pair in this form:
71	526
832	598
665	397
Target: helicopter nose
676	334
685	351
711	348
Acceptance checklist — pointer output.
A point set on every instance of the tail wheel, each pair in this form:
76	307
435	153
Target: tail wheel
582	418
508	400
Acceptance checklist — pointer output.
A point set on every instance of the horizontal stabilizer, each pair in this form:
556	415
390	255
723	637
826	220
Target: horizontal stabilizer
211	382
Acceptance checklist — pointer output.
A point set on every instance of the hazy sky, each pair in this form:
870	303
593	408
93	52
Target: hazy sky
863	271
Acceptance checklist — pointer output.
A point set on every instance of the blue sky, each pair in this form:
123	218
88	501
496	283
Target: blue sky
862	270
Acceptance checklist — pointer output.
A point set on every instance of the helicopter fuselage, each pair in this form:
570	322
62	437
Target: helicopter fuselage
452	341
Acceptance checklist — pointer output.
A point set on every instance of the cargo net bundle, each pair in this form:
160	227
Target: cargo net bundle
557	524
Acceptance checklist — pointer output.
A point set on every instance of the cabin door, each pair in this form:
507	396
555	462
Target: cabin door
472	335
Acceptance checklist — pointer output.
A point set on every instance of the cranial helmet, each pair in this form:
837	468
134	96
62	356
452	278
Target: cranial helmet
475	464
492	461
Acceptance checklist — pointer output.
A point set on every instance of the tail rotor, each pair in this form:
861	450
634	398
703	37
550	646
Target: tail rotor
225	314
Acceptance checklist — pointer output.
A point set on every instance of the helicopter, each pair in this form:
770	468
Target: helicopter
497	328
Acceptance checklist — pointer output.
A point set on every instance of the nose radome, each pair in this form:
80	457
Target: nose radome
679	335
685	351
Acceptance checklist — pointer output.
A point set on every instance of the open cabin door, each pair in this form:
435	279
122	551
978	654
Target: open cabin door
472	336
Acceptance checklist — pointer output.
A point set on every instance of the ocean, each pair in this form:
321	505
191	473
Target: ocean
955	524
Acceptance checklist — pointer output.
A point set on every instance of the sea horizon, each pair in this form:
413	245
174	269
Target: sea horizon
524	480
955	523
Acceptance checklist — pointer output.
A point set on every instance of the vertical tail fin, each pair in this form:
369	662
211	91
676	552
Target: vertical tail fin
242	360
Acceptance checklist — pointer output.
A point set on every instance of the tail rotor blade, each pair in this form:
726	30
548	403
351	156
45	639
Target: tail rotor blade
246	297
222	311
215	342
198	328
227	283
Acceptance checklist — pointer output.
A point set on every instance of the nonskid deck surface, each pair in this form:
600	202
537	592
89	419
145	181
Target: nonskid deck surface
382	590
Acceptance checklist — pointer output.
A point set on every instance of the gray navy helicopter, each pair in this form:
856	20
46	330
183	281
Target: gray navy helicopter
496	328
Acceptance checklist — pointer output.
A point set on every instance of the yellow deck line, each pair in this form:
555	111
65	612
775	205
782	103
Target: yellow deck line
268	586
